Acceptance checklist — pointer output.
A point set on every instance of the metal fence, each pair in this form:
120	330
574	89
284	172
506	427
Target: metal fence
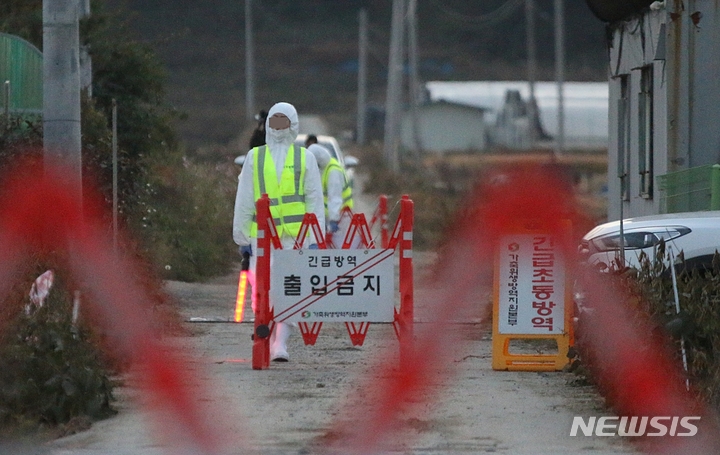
690	190
21	76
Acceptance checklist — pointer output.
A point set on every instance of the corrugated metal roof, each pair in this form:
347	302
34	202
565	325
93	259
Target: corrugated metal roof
21	63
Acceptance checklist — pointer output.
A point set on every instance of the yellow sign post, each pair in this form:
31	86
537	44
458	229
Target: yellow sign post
532	297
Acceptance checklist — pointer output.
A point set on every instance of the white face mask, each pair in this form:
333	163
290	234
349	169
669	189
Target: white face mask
285	135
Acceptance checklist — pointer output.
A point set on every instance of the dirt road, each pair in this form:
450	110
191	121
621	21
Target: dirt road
290	408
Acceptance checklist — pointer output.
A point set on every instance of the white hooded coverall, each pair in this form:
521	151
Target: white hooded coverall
278	142
335	187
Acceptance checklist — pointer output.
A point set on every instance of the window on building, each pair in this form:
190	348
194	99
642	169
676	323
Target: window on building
623	137
645	139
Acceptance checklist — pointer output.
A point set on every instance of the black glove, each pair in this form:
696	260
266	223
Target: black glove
246	252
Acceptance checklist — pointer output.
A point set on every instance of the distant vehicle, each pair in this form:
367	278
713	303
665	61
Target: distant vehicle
696	234
329	142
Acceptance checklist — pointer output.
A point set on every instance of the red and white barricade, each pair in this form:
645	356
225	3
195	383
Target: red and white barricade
381	216
351	285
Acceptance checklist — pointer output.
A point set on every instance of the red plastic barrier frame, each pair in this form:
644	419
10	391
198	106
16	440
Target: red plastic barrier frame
266	234
381	216
267	238
346	212
402	234
358	226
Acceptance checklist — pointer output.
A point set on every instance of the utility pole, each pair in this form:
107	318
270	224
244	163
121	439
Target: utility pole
414	76
249	64
560	74
394	88
84	6
61	91
6	91
531	67
114	175
85	58
362	76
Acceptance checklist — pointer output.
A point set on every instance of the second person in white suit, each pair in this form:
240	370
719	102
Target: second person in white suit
338	194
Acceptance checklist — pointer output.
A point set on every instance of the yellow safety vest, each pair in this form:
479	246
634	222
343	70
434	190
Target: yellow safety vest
347	190
287	199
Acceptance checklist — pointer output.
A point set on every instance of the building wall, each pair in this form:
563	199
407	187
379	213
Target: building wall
444	127
636	47
681	41
693	60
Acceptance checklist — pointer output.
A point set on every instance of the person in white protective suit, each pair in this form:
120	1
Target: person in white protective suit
338	195
280	160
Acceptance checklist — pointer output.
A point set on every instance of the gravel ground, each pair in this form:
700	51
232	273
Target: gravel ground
294	408
291	408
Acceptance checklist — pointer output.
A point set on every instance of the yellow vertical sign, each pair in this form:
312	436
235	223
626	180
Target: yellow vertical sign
532	298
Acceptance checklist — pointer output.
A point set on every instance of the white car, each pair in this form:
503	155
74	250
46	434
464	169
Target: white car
329	142
696	234
348	162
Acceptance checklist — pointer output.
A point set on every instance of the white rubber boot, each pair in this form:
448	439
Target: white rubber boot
278	342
